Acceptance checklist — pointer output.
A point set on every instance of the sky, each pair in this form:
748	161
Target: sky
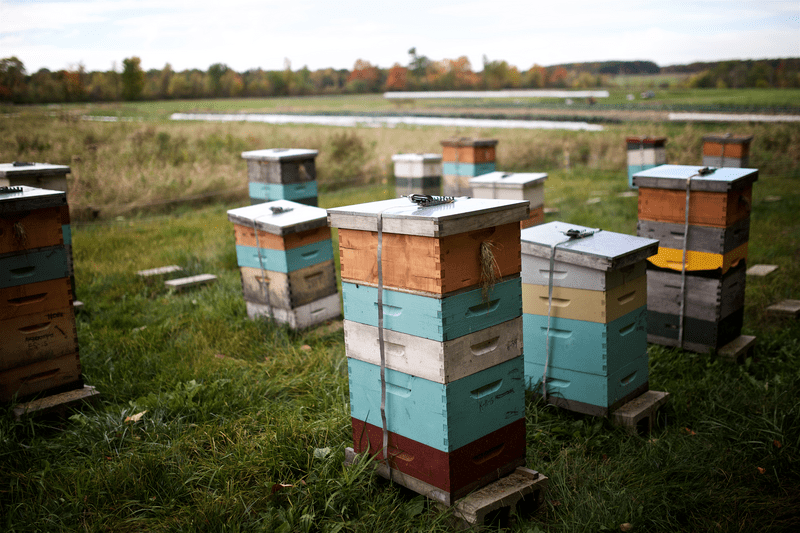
250	34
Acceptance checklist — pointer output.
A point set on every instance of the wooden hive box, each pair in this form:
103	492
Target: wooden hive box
706	239
514	186
39	175
435	250
455	473
417	165
302	193
726	150
464	150
644	153
696	261
699	335
442	416
281	165
285	256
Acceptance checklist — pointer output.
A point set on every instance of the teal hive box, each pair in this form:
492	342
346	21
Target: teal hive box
284	260
439	319
445	417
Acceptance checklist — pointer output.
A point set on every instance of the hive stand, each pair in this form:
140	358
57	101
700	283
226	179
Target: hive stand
785	309
638	414
738	350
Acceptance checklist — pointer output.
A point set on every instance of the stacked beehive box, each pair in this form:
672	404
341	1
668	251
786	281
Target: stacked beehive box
696	298
424	322
726	150
38	339
508	186
285	257
584	300
644	153
43	176
282	174
417	174
463	159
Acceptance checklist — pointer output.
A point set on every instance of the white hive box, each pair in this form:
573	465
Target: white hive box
510	186
417	165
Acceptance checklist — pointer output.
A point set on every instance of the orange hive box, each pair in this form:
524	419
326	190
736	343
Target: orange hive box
716	209
469	150
736	146
245	236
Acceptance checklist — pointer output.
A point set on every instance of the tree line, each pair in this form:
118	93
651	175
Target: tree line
131	82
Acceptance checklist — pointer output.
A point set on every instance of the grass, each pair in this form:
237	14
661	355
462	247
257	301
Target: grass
245	422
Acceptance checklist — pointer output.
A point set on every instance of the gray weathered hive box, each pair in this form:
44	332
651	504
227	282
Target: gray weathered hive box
281	165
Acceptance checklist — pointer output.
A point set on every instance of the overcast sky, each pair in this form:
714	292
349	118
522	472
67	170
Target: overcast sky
246	34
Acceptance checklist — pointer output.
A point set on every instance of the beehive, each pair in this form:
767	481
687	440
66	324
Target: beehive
39	351
282	174
463	159
584	301
644	153
726	150
417	174
43	176
514	186
451	338
702	308
285	256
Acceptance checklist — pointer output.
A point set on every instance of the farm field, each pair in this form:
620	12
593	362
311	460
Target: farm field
241	425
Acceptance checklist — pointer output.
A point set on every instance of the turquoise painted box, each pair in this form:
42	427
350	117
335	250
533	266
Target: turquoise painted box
41	264
442	416
590	347
590	393
439	319
66	229
467	169
284	260
278	191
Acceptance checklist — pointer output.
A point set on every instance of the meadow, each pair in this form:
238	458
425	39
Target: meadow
209	421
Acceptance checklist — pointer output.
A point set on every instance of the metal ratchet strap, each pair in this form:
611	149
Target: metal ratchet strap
571	235
381	346
682	309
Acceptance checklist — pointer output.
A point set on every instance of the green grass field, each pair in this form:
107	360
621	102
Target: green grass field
244	423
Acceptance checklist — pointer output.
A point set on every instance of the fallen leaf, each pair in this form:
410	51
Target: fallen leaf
689	431
305	348
777	443
280	486
135	418
220	356
626	526
321	453
761	470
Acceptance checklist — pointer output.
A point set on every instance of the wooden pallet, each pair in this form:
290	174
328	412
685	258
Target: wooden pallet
191	281
521	487
637	415
786	308
738	349
57	404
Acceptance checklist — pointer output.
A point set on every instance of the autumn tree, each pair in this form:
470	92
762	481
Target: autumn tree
364	77
397	77
12	79
133	79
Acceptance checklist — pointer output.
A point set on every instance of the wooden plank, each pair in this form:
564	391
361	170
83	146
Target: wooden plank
603	250
24	381
637	414
441	362
715	209
701	238
583	304
38	336
442	416
589	393
720	180
704	298
58	404
160	271
27	230
786	308
245	236
190	282
456	473
761	270
289	290
280	217
699	335
536	271
439	319
35	298
671	258
591	347
302	317
400	215
521	491
738	350
428	264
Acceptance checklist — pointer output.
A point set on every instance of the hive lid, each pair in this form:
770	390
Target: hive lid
281	217
8	170
465	141
675	176
727	138
280	154
604	250
425	158
401	215
24	198
509	180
